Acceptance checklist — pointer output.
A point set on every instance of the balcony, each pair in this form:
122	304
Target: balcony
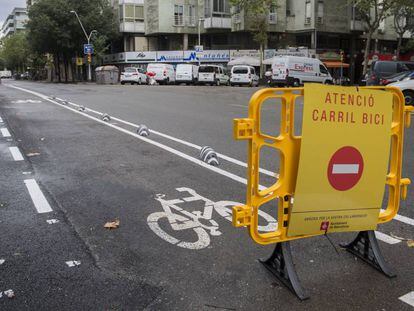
217	22
133	27
182	21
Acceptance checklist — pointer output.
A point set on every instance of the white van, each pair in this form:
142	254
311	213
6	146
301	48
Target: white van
213	74
163	73
186	73
243	75
294	70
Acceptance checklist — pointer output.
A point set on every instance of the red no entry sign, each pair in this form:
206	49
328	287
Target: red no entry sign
345	168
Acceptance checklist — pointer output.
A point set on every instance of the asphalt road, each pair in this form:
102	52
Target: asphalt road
56	254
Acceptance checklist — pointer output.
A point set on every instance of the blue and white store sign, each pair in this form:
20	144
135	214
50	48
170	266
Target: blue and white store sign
170	56
215	56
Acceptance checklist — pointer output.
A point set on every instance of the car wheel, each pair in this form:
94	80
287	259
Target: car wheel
409	97
122	83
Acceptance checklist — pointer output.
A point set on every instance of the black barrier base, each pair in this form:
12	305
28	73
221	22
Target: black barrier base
365	246
280	264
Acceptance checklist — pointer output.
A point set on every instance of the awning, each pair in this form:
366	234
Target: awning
245	60
336	65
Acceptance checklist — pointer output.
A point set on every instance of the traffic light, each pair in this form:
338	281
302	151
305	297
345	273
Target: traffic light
89	58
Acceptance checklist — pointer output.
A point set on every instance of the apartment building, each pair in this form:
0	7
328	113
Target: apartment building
16	21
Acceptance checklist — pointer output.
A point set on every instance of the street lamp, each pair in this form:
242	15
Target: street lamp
88	39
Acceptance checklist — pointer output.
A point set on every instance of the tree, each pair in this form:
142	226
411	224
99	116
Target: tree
15	52
372	13
54	30
402	21
257	12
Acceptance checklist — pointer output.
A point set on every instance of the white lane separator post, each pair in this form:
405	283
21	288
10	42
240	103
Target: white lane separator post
408	298
5	132
16	154
38	198
386	238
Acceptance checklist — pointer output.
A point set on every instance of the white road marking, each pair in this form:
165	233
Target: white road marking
408	298
16	154
178	140
2	261
26	101
73	263
26	173
403	219
386	238
38	198
169	149
5	132
1	120
345	169
52	221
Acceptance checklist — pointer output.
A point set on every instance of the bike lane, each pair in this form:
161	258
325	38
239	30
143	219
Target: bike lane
98	174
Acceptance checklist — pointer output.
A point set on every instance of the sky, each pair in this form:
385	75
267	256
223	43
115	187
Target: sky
6	6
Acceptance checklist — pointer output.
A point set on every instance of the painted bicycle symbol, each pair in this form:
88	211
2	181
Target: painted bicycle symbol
201	223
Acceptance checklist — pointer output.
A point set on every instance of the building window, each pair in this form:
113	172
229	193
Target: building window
273	15
308	12
221	7
178	15
129	13
320	14
191	15
139	12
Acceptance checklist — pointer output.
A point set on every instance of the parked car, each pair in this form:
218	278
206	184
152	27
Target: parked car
5	74
383	69
133	75
395	77
407	88
25	76
163	73
213	74
244	75
186	73
294	71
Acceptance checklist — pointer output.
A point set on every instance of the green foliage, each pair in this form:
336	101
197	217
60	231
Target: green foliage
257	12
54	29
15	51
101	47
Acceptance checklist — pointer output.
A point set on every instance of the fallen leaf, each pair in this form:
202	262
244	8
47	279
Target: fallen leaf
410	243
33	154
112	224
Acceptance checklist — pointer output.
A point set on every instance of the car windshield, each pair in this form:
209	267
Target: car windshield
130	69
240	70
208	69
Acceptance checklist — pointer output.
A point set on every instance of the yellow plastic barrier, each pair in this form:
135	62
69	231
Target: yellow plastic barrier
288	145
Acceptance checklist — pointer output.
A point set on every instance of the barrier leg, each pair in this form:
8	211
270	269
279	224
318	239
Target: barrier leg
365	246
280	264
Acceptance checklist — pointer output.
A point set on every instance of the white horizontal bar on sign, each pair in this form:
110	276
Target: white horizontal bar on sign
16	154
345	169
38	198
386	238
408	298
5	132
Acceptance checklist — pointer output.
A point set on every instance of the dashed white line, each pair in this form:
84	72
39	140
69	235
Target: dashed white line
38	198
408	298
1	120
386	238
73	263
16	154
5	132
